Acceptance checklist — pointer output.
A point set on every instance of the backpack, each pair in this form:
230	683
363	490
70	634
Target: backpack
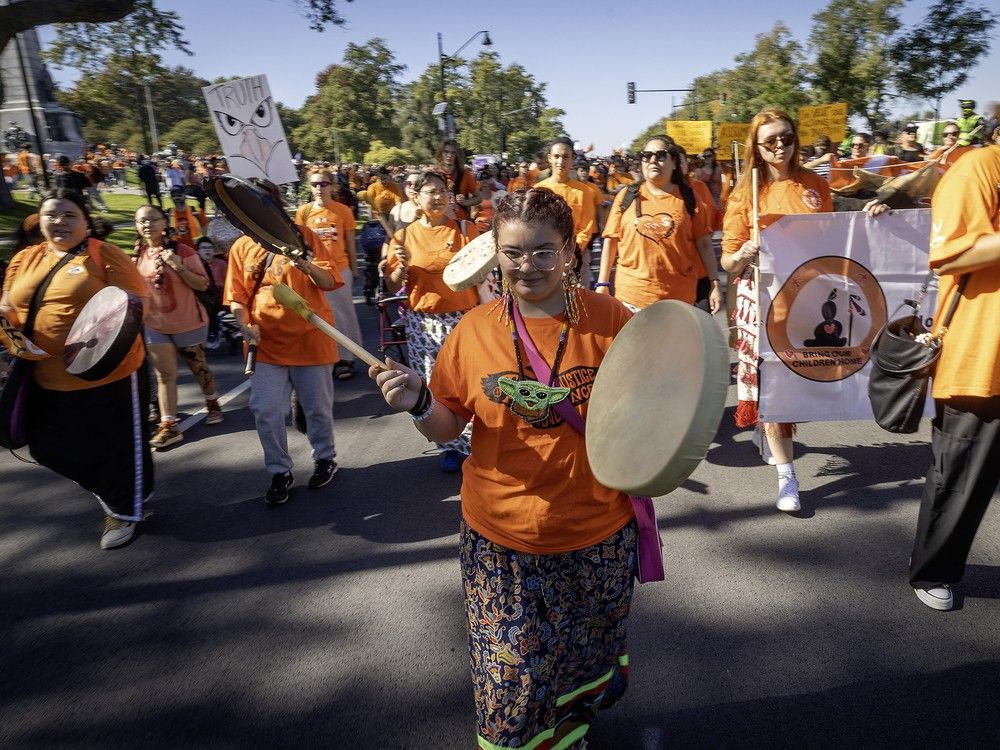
632	195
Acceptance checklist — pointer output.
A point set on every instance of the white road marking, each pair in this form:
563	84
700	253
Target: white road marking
223	400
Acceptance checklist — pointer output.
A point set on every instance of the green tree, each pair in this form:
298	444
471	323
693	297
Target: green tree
111	103
354	105
769	75
657	128
379	153
852	42
193	136
935	56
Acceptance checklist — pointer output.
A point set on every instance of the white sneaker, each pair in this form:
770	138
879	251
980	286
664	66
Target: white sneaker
936	597
116	532
788	494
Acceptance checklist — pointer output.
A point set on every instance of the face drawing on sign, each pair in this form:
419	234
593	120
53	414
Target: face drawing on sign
245	114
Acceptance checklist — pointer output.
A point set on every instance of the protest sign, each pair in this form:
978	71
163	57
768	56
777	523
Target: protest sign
694	135
826	119
250	133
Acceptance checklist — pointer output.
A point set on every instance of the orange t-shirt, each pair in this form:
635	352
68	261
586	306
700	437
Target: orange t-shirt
286	339
581	201
333	224
707	202
517	183
70	289
467	185
173	308
430	250
952	157
842	172
529	487
657	256
383	197
808	193
185	223
618	180
966	206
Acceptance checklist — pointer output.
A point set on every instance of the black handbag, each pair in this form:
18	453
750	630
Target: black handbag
14	395
902	366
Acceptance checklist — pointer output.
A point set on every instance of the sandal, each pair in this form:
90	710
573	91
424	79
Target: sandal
343	370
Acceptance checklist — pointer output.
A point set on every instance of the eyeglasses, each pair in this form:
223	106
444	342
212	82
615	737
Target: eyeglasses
858	145
950	134
660	155
542	260
322	183
771	144
433	193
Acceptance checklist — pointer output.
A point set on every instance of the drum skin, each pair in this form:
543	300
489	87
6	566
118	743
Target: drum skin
657	399
255	213
472	264
103	334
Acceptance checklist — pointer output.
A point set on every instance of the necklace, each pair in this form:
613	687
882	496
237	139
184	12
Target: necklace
530	399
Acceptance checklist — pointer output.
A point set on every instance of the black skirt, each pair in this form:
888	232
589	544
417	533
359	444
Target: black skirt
99	438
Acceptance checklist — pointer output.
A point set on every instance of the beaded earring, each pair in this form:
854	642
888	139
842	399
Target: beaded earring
503	304
571	294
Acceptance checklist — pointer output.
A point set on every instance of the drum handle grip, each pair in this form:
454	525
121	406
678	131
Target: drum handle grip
251	360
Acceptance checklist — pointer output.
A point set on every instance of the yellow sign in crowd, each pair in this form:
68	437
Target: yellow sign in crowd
696	135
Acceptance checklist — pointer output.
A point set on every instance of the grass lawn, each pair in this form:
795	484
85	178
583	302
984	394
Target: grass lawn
121	210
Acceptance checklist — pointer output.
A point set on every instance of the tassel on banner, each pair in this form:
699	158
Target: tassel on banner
746	414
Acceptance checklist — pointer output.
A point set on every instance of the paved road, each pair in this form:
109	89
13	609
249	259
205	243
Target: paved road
337	620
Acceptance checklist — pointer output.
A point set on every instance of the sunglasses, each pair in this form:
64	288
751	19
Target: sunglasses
771	144
660	155
950	134
323	183
858	145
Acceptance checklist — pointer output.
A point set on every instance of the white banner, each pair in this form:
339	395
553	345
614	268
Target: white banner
828	284
246	120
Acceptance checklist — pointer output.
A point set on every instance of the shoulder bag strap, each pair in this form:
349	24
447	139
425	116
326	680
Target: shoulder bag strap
38	296
962	281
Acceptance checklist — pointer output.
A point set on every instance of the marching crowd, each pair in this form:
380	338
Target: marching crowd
548	554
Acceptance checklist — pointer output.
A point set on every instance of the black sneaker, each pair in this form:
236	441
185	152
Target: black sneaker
323	473
277	493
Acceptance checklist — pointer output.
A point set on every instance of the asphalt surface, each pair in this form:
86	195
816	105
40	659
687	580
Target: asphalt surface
337	620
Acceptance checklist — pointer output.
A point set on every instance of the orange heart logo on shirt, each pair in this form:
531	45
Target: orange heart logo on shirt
656	227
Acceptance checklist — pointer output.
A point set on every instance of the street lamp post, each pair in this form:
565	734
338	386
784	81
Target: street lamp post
442	57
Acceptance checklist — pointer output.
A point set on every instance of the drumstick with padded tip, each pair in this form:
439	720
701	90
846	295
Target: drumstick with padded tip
287	297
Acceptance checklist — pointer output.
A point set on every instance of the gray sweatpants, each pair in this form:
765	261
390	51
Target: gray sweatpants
270	401
344	317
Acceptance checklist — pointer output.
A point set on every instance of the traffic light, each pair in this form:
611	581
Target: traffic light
630	90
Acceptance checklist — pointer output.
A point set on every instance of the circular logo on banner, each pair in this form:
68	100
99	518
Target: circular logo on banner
823	320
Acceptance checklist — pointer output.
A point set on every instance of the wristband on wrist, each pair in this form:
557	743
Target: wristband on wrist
602	283
426	413
423	401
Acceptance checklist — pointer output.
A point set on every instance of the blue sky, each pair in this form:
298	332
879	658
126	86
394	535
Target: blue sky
584	50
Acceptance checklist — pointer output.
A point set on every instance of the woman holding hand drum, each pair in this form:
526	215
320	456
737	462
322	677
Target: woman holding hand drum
538	532
417	259
785	188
